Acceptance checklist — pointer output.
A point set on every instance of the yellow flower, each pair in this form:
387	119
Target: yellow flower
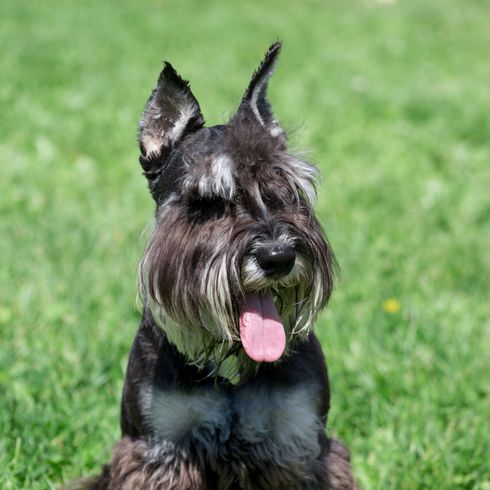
391	305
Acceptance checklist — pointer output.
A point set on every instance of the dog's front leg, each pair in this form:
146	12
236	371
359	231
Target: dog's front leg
143	458
135	465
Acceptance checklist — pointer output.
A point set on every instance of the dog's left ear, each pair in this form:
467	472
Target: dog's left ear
171	112
255	97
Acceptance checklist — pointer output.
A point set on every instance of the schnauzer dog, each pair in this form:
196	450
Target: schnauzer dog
226	385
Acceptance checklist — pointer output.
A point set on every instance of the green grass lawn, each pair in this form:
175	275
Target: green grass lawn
392	99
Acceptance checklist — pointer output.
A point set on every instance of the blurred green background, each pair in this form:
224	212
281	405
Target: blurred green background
393	100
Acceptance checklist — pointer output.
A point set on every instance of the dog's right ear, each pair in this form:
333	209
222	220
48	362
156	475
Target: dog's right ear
170	113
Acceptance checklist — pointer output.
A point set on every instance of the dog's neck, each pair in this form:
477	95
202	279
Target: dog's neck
217	359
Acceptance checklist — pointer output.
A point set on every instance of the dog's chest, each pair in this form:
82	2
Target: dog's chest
277	424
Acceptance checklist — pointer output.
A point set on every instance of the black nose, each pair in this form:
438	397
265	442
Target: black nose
276	261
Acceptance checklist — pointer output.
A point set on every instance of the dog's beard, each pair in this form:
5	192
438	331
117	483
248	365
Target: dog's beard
214	333
199	307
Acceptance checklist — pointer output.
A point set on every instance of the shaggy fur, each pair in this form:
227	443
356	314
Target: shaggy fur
133	468
197	411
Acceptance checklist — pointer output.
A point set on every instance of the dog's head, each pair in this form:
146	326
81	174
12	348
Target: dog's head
236	254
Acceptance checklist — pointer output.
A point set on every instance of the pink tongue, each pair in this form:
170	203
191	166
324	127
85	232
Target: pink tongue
261	330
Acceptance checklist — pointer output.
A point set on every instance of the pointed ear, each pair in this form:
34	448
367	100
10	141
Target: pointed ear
255	97
170	113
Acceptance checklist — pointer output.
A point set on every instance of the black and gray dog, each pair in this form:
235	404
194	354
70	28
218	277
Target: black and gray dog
226	386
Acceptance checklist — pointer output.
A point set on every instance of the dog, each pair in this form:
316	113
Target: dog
226	384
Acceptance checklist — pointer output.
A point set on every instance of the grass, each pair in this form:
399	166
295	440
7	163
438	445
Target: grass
393	99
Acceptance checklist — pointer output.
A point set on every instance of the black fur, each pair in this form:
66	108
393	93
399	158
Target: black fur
197	412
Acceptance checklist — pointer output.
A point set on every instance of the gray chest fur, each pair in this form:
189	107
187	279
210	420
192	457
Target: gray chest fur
256	426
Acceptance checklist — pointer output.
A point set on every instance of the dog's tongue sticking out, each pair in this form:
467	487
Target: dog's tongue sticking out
261	331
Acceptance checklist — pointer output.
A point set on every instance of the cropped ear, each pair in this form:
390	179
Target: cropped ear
255	97
170	113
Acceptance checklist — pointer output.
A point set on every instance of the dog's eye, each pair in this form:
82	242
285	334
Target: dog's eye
282	198
206	208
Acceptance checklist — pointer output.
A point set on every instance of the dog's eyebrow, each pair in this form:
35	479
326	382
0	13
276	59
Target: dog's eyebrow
256	196
212	176
222	172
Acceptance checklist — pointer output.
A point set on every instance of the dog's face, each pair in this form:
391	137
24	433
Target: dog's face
237	257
